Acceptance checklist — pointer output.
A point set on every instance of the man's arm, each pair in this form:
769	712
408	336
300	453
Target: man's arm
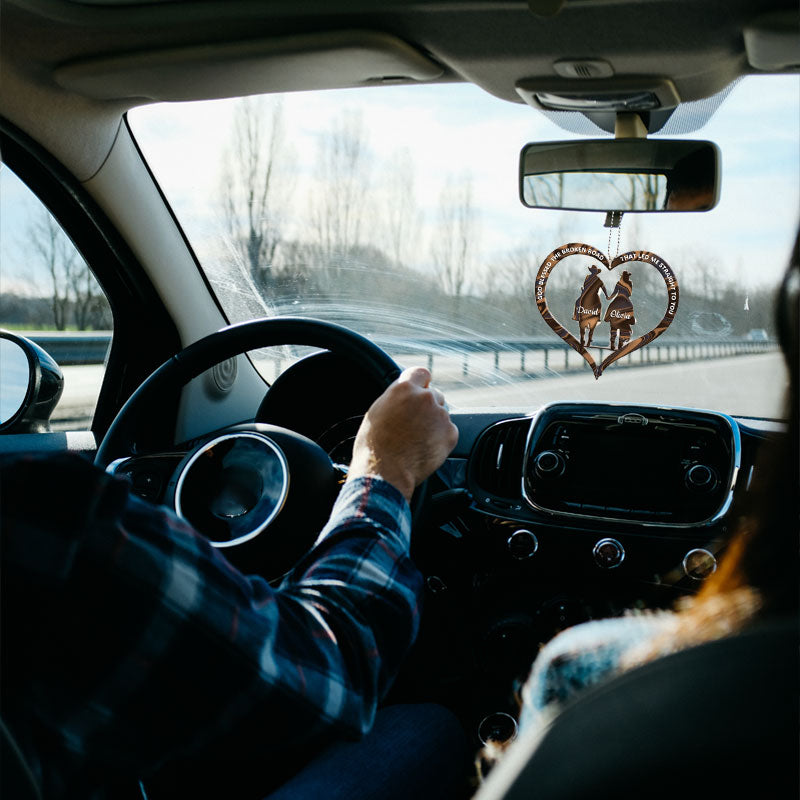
156	646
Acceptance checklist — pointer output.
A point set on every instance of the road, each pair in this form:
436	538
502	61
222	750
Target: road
750	385
744	385
81	388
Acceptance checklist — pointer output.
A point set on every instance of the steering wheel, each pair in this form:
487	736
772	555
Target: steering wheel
239	481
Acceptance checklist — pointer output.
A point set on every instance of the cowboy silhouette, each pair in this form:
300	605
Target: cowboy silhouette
587	306
620	311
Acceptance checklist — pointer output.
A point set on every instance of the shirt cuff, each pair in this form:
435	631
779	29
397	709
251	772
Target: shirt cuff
372	501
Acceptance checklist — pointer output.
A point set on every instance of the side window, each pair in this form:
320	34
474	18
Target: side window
49	294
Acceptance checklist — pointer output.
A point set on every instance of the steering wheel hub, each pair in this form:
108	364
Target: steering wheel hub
232	487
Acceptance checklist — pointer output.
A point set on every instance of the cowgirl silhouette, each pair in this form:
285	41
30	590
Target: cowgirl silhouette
620	311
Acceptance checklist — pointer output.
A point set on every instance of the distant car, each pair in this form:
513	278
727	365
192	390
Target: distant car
757	335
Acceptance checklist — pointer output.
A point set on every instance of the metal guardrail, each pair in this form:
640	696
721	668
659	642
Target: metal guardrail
558	357
69	348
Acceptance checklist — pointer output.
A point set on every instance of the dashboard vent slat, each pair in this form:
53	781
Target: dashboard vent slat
497	459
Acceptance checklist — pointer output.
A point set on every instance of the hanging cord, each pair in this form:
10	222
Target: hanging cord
613	221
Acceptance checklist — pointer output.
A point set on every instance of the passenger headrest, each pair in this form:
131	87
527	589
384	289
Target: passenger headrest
718	720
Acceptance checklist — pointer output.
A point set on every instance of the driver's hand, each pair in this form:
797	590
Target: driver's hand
406	434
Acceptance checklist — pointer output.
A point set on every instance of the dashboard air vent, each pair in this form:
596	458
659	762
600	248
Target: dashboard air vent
498	456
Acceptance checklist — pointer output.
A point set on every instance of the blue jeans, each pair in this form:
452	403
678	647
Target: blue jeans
413	752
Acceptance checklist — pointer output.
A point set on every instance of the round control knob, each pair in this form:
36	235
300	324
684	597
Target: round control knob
701	478
549	464
497	727
699	564
608	553
522	544
435	584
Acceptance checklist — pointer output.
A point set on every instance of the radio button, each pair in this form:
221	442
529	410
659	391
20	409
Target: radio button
522	544
549	464
608	553
699	564
701	478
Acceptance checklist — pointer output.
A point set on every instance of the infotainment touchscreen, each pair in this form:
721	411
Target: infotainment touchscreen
643	464
627	468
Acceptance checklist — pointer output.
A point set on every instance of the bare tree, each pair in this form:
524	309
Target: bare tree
545	191
255	187
72	290
707	276
455	239
340	197
90	308
58	257
402	217
514	273
644	191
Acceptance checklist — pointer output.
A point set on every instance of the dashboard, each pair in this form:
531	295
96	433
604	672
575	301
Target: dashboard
536	522
573	512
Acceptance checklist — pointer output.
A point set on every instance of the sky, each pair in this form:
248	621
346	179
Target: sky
457	129
453	130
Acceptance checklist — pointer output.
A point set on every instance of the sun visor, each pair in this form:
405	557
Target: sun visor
316	61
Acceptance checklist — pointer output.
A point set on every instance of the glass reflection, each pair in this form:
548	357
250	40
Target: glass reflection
15	377
600	191
233	487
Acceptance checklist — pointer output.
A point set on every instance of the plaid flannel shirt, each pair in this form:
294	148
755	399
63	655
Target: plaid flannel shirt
129	640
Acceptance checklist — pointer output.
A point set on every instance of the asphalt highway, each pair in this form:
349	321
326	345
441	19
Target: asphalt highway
751	385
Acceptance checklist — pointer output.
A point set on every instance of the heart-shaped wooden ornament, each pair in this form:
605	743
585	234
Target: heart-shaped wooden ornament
619	312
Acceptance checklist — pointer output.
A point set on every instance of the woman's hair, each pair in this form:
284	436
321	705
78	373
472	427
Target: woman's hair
763	553
757	575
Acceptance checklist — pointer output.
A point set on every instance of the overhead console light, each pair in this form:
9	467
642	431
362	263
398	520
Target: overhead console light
583	68
599	94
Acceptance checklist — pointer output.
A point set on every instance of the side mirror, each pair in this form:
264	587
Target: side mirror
30	385
638	175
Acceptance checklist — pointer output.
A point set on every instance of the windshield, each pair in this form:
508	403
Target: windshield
395	211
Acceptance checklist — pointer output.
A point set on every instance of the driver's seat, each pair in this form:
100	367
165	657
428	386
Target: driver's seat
718	720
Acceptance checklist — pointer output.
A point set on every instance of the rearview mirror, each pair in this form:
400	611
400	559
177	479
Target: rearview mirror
639	175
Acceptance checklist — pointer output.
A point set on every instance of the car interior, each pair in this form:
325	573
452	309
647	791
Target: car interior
588	480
